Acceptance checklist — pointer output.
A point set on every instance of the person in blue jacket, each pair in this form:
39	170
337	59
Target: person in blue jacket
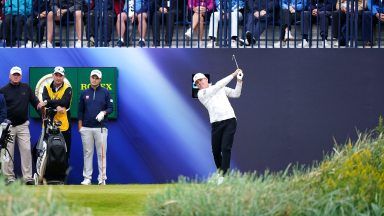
94	106
3	108
16	13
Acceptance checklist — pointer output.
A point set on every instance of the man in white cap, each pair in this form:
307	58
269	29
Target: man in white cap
94	105
18	96
221	115
58	95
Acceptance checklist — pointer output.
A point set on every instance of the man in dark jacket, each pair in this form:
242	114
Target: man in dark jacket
18	96
94	106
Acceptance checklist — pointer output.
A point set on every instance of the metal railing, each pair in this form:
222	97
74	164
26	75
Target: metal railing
191	23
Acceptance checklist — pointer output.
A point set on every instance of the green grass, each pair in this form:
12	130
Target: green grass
105	200
348	182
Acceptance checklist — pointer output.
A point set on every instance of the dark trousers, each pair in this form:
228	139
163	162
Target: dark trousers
67	137
257	26
346	26
168	21
287	19
223	133
36	27
100	26
13	28
322	20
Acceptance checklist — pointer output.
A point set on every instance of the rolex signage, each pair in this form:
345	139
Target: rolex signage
78	79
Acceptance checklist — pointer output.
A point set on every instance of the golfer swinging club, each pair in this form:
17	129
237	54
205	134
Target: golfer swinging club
221	115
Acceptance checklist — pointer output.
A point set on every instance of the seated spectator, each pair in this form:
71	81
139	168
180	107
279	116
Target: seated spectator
16	13
319	11
260	15
164	13
100	23
342	31
68	10
290	13
135	10
41	17
374	15
227	11
199	9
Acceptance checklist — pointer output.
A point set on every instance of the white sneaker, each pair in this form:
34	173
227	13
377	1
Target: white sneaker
102	182
78	44
211	44
328	44
86	182
220	180
188	33
28	44
233	43
46	45
283	44
288	35
305	44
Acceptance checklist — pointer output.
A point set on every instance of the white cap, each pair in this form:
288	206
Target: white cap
198	76
59	70
15	69
96	73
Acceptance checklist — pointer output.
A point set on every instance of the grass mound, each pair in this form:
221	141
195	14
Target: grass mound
19	199
350	181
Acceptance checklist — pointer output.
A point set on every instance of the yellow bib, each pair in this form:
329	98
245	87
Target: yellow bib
59	116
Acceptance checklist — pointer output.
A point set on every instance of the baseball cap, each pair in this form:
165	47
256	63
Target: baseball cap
198	76
15	69
59	70
97	73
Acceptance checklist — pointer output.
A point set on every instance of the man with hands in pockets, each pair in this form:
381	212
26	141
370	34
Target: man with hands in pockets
221	114
95	104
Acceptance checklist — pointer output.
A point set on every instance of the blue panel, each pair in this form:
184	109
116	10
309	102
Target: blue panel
293	103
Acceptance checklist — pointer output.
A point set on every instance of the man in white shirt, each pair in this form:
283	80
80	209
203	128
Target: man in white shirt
221	114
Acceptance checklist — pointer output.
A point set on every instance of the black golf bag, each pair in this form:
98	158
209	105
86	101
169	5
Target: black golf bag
51	152
5	138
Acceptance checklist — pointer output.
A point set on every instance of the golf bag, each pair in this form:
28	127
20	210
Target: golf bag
51	152
5	138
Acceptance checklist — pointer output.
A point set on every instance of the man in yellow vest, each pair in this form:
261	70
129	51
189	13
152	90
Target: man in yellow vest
58	95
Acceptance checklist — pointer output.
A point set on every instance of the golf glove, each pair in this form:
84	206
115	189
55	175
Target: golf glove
100	116
240	75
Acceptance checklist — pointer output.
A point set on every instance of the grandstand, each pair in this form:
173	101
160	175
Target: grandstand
358	27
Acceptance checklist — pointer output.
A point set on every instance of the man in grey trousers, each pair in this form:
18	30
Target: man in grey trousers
18	96
95	104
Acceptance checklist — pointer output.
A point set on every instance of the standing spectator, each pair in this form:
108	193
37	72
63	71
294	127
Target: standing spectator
221	115
100	23
260	14
67	10
164	13
319	11
94	106
200	9
41	17
58	95
230	12
135	10
16	13
18	95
